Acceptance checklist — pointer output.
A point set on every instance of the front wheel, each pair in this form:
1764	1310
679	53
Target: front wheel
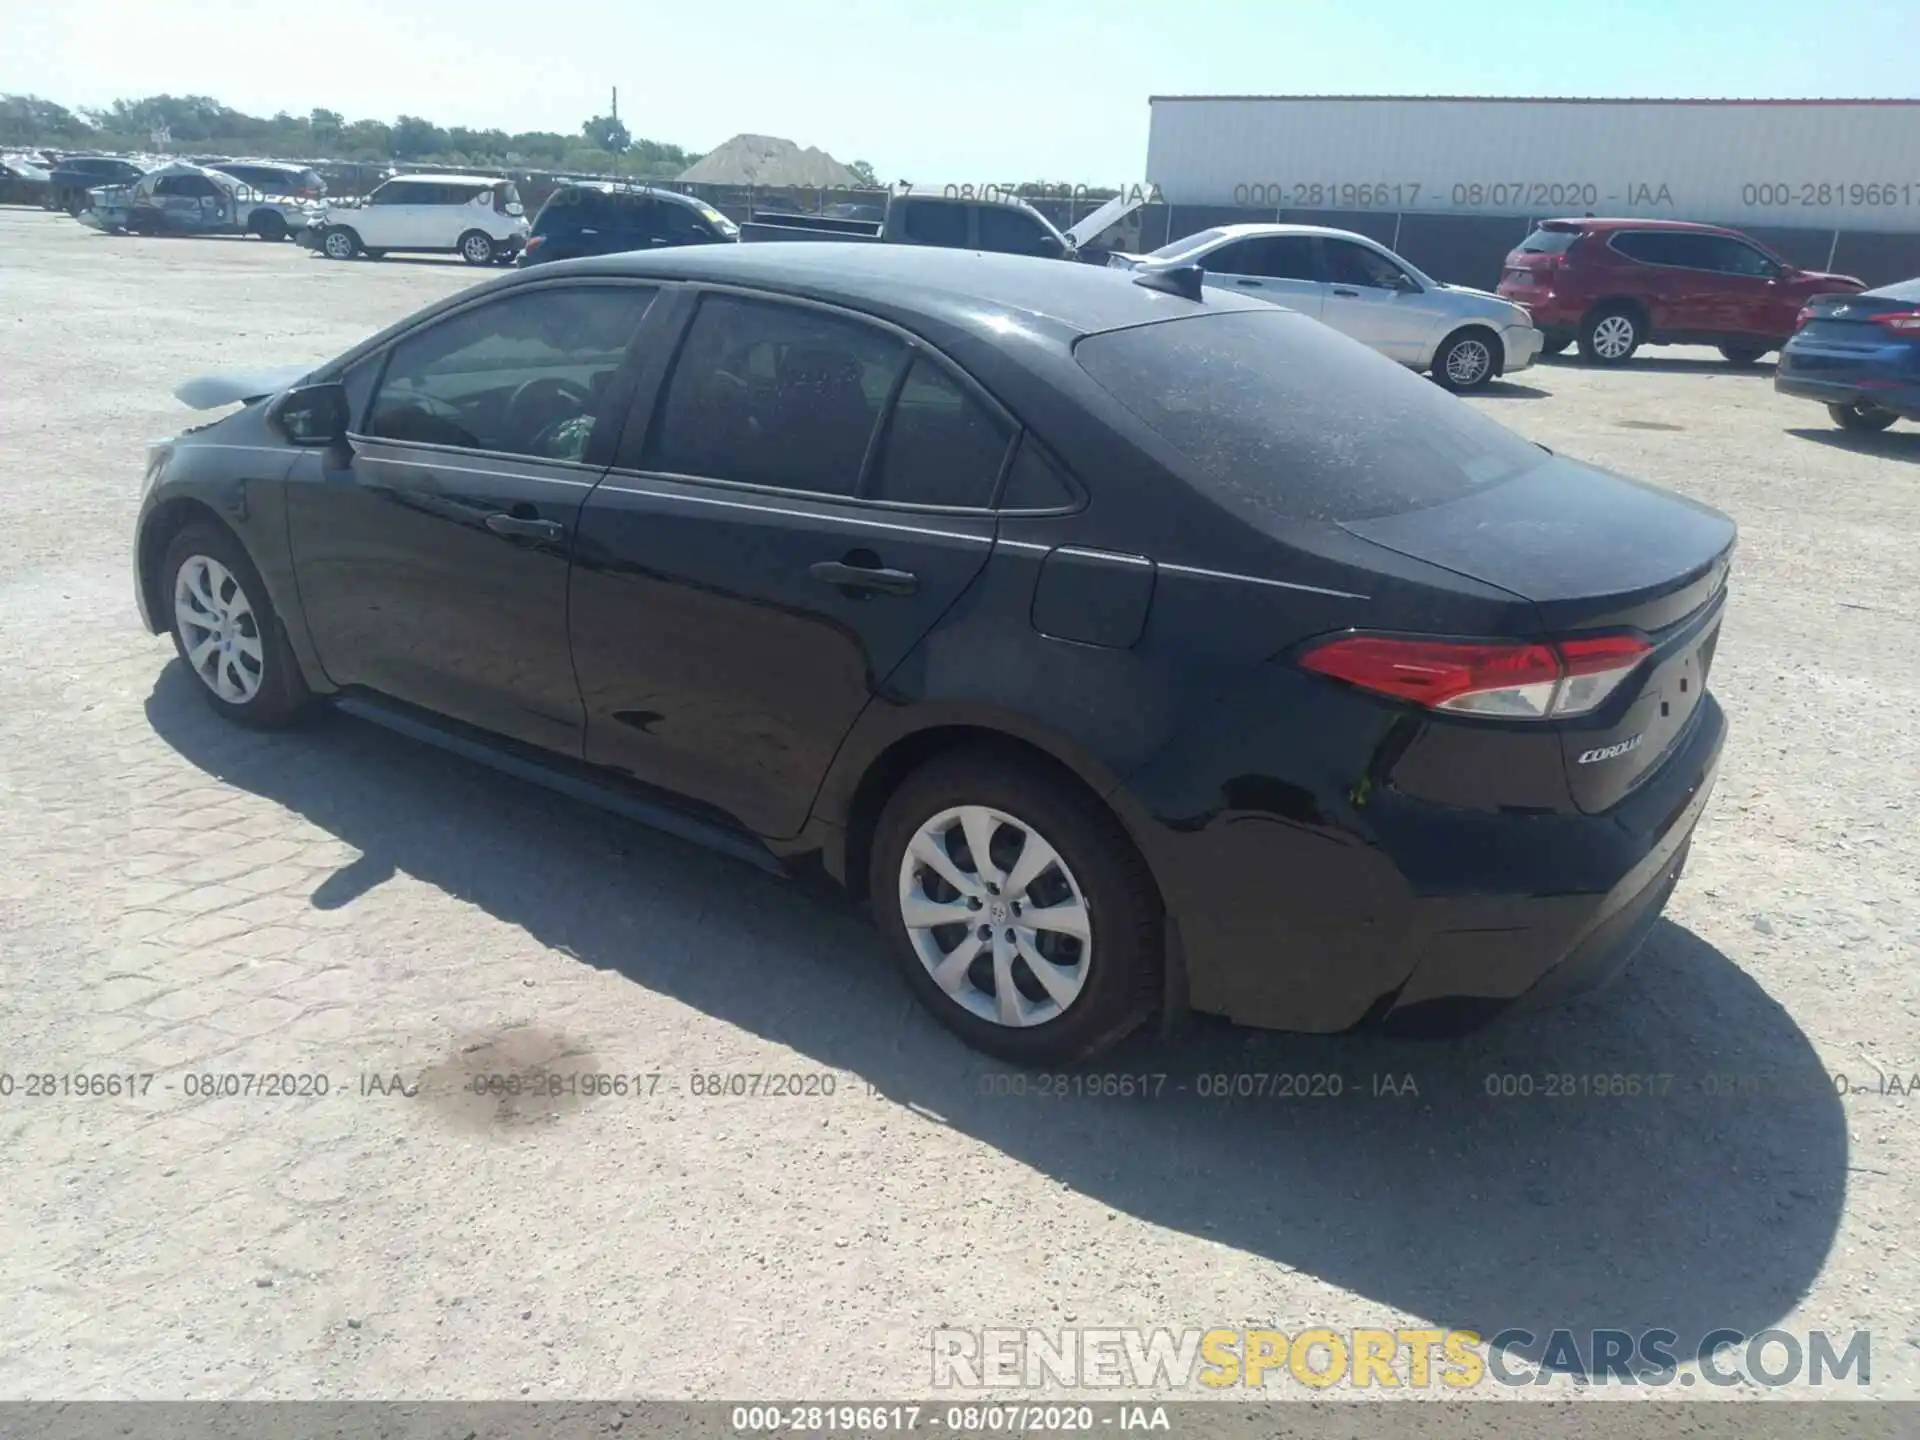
1017	907
1464	362
476	248
1861	416
226	632
339	243
1742	354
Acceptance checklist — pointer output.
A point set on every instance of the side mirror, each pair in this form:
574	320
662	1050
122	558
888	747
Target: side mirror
313	415
1407	285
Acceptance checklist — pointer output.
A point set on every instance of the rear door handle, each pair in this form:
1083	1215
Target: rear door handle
1350	294
1249	284
861	577
521	528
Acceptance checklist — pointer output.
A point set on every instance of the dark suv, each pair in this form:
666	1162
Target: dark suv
1615	285
75	175
606	218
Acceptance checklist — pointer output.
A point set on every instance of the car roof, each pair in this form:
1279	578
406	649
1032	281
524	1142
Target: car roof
449	179
1325	231
629	187
1589	222
965	289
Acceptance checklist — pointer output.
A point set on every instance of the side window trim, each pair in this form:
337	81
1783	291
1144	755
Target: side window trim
633	444
617	394
1077	493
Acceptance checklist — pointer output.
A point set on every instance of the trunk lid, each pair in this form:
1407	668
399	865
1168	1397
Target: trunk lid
1594	552
1853	323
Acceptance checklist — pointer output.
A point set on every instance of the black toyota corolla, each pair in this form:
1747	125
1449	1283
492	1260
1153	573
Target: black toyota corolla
1128	647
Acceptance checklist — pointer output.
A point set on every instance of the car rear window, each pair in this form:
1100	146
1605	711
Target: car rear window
1549	242
1286	419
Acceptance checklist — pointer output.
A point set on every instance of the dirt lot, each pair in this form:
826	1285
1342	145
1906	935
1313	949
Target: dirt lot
181	899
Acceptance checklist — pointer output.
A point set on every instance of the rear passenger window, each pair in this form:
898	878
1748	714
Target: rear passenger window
778	395
1650	247
935	222
942	446
1035	483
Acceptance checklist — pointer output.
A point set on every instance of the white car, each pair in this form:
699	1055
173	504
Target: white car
477	217
1463	337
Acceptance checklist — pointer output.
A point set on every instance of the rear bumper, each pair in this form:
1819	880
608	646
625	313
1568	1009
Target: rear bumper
1437	919
1898	393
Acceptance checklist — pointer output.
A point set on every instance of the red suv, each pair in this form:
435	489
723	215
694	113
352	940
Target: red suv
1615	285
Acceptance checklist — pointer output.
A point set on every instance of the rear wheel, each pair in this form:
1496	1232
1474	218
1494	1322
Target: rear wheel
226	632
1464	361
1742	354
1018	909
1861	416
1610	336
476	248
339	243
270	225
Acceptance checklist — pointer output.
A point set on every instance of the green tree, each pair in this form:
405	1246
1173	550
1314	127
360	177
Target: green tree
863	172
415	139
605	132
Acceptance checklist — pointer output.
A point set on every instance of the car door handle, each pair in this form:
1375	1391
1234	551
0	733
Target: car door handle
1249	284
1350	294
520	527
863	577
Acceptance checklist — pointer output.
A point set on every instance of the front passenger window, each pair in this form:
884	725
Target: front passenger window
523	375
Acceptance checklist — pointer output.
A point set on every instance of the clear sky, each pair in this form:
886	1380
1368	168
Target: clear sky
932	90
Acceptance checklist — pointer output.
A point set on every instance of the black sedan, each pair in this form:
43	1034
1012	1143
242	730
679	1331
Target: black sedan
1126	649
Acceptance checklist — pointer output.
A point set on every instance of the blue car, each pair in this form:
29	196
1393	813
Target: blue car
1859	355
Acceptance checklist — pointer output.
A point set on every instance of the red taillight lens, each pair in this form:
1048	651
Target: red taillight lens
1800	320
1497	679
1906	322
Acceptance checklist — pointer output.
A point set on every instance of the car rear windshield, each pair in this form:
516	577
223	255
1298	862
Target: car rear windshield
1549	242
1187	245
1286	419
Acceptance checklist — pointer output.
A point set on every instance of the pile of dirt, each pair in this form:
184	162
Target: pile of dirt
769	160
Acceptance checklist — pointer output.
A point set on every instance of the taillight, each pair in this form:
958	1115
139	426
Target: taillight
1906	322
1806	314
1497	679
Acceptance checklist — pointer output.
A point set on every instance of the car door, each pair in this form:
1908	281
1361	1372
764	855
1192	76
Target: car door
1753	302
432	560
804	501
1281	269
1672	279
381	220
931	222
1371	297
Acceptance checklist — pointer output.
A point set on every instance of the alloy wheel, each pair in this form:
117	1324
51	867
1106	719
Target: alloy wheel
478	249
996	916
1613	337
1468	362
218	629
338	245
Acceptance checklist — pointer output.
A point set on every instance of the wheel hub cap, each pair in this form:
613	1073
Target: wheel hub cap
218	630
1468	362
1612	336
996	916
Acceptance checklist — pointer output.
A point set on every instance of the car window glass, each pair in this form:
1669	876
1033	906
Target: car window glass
523	375
1282	418
1283	257
1549	242
679	225
942	446
1009	231
1351	264
632	216
1650	247
1732	257
170	185
1034	482
934	222
394	192
770	394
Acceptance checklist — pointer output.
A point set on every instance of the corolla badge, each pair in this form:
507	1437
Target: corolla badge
1608	752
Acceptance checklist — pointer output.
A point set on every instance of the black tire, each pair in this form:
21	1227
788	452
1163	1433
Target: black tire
270	225
77	202
1603	330
1127	925
281	695
339	243
374	254
1554	344
1743	354
1861	417
477	248
1466	360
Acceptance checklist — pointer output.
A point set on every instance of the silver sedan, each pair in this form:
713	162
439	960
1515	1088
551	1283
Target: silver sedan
1463	337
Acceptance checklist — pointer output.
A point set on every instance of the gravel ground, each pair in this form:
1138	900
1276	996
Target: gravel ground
180	898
